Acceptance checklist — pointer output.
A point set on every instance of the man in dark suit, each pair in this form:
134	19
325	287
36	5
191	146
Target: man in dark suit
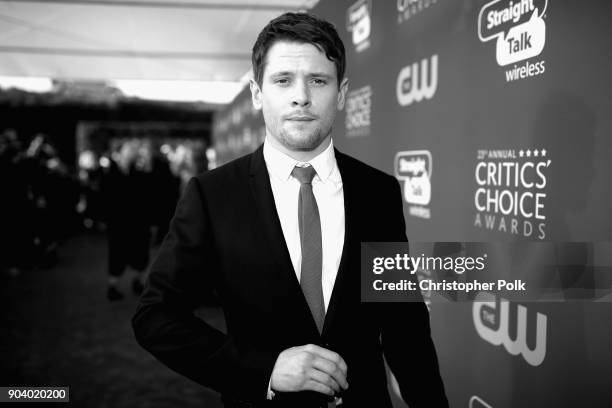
277	233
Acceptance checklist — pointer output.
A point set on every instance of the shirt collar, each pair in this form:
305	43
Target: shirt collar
280	165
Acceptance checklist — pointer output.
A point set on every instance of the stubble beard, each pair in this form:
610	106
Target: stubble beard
298	141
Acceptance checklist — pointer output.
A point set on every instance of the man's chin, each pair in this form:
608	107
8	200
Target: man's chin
303	143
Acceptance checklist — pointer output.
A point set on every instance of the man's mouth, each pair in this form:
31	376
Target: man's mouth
301	118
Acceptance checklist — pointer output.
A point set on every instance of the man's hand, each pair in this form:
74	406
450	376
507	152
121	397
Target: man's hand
309	367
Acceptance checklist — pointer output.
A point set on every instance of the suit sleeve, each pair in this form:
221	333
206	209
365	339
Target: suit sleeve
405	332
165	324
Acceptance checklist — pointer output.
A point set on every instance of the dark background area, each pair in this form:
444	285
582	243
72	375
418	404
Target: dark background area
57	116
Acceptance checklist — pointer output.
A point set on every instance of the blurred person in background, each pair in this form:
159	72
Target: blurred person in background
165	194
90	174
187	160
56	194
126	191
15	210
39	202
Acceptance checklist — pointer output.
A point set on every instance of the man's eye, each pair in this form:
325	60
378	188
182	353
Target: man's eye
319	81
281	81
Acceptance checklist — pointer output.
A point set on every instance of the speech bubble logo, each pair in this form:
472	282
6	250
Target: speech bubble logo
414	168
358	21
523	41
498	17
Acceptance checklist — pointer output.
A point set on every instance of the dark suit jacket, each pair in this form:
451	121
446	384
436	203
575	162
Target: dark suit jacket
226	234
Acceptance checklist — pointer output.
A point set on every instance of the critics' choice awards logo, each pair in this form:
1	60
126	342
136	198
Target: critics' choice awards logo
520	33
417	81
358	112
413	167
511	190
410	8
491	317
359	23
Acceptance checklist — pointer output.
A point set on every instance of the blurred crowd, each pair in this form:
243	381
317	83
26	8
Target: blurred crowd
128	191
39	197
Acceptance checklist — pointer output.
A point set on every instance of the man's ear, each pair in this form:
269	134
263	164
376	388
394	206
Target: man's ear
256	96
342	93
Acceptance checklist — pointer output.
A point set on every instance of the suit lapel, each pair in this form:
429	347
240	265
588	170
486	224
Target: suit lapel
259	180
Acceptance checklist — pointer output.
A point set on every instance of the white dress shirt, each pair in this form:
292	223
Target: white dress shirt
327	189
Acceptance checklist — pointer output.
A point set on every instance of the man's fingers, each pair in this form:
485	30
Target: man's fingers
324	378
331	369
328	355
318	387
323	352
342	365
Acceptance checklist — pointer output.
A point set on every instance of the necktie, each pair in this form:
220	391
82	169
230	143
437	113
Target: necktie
310	239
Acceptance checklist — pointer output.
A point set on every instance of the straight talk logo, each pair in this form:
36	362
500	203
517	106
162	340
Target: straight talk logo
359	23
413	167
520	33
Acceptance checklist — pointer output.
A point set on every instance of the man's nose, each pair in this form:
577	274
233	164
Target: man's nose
301	94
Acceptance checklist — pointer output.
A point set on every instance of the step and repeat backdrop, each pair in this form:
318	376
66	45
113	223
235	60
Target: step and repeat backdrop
496	118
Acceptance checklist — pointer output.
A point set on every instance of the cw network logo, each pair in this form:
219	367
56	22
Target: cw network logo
359	23
491	319
416	82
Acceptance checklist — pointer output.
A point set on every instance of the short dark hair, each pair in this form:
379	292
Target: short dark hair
301	28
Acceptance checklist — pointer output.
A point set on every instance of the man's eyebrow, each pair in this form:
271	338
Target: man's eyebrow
281	73
310	75
320	75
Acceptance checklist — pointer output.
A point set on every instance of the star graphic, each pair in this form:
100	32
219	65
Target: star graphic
528	153
521	153
543	152
536	153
